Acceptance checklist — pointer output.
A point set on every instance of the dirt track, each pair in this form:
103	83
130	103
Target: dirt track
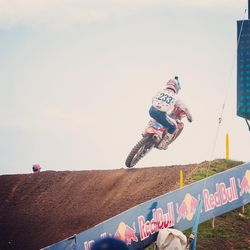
37	210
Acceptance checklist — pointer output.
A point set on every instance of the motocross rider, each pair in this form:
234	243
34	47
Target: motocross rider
165	102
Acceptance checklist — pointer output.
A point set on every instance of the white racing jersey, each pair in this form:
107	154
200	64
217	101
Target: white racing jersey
183	107
165	100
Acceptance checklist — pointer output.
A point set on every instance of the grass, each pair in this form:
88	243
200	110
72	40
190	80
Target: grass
213	167
232	230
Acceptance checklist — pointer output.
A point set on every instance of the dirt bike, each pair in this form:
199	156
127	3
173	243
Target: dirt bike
156	136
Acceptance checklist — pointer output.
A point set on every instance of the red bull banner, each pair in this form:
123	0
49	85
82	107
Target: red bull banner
138	226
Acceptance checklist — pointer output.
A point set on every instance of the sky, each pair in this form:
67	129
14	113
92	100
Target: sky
77	78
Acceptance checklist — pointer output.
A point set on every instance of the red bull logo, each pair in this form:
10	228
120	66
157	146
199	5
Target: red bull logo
244	184
187	208
126	233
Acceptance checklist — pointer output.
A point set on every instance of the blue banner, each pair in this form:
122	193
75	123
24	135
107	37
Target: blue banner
67	244
139	225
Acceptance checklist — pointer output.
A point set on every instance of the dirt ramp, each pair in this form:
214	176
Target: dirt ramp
37	210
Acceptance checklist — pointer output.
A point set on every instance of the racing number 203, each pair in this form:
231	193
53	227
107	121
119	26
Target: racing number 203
165	98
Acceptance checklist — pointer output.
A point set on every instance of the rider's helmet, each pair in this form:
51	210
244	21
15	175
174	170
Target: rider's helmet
174	84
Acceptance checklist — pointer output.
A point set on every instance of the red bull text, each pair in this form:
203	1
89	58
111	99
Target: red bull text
222	196
159	221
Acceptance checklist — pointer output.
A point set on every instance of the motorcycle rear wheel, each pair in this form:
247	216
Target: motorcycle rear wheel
139	151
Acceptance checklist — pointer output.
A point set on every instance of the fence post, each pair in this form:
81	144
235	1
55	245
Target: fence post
181	179
213	222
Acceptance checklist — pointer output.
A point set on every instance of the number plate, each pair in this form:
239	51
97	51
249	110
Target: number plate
157	126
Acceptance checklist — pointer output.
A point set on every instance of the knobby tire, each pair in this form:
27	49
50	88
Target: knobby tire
139	151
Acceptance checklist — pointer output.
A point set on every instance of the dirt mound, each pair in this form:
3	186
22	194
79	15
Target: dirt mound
37	210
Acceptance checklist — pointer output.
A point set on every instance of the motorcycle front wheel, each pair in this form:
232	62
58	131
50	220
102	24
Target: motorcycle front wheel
139	151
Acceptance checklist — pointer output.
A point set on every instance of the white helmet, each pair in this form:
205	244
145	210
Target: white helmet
174	84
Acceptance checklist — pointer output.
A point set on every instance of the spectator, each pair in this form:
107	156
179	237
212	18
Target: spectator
36	168
110	244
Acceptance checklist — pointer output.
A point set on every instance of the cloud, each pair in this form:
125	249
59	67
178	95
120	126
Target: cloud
67	12
48	12
211	3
